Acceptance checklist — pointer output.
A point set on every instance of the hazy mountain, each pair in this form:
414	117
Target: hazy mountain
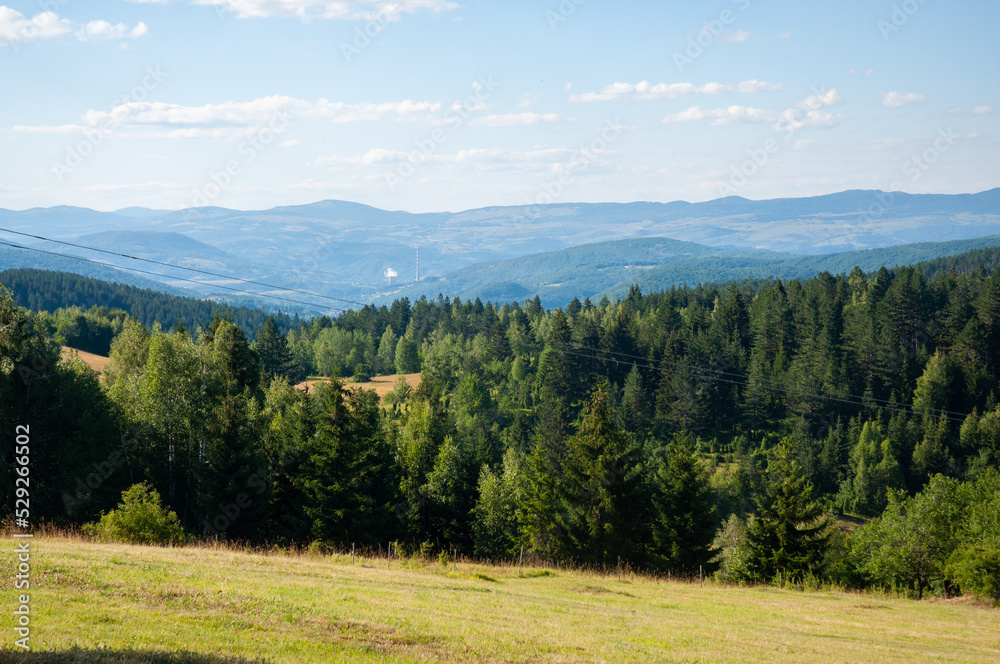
141	212
344	249
610	268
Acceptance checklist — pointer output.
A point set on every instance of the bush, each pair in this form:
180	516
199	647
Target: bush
976	568
139	519
362	373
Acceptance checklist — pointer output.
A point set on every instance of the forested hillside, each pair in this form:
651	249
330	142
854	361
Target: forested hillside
722	427
610	268
87	312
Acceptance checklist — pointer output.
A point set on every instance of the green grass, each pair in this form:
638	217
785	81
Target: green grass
116	603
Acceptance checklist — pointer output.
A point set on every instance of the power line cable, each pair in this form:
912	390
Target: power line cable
906	408
181	267
760	382
166	276
700	372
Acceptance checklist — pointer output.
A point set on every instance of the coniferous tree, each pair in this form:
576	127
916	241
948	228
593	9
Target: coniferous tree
788	533
684	516
602	493
345	473
537	513
874	471
275	357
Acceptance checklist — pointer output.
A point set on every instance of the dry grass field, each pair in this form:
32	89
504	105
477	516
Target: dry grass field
95	602
95	362
381	384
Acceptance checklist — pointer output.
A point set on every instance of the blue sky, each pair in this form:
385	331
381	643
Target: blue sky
428	105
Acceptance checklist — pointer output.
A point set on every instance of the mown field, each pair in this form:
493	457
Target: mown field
116	603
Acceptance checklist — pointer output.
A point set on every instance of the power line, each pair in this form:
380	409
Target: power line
699	372
159	274
759	382
899	408
181	267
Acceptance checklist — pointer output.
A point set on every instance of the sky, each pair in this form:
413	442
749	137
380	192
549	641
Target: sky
435	105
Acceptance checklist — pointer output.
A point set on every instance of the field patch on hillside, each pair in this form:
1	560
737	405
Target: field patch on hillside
116	603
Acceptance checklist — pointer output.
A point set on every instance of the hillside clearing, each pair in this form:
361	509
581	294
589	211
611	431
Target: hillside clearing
381	384
95	362
224	604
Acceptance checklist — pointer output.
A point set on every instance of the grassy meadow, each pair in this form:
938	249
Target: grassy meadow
95	602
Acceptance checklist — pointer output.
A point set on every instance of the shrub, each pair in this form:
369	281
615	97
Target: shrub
140	518
362	373
976	568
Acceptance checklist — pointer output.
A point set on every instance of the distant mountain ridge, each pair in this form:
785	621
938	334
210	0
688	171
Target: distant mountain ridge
344	249
610	268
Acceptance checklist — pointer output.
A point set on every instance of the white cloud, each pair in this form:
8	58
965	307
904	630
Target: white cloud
387	10
819	100
15	29
527	99
721	116
807	113
646	91
488	159
515	119
258	112
45	129
895	99
102	30
975	110
738	36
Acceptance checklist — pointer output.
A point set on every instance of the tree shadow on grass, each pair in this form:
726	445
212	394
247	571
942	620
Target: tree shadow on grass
107	656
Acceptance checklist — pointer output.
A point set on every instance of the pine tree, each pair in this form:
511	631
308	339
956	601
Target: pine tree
387	352
275	357
684	518
537	512
874	472
788	534
603	497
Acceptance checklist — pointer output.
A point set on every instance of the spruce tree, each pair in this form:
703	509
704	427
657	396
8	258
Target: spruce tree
788	534
602	495
275	356
684	518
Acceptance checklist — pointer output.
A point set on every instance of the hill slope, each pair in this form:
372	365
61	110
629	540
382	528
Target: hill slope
657	264
344	249
216	605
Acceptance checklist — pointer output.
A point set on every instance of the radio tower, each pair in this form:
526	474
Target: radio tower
418	263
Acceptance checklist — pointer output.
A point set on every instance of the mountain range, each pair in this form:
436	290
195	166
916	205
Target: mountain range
344	250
